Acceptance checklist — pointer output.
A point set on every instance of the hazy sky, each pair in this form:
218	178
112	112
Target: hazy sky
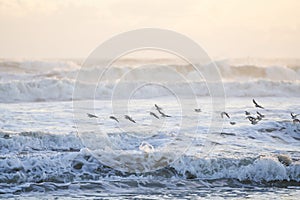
225	28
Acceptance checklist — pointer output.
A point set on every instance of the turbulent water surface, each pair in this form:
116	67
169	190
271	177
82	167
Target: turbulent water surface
44	155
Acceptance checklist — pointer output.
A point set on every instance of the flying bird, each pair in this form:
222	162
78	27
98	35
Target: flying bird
260	115
91	115
258	118
157	107
294	116
226	114
247	113
257	105
296	121
197	110
114	118
232	123
252	120
154	115
129	118
163	114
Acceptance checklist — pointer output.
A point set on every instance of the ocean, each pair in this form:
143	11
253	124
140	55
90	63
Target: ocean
51	149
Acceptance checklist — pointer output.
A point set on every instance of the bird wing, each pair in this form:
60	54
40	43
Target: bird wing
154	115
91	115
227	115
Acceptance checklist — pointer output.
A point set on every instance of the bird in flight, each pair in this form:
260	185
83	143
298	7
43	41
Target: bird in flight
296	121
260	115
129	118
157	107
294	116
91	115
252	120
154	115
226	114
163	114
114	118
257	105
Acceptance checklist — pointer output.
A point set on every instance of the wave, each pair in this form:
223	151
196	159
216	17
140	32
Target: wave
41	157
29	66
62	90
65	167
229	70
36	90
42	80
250	72
15	143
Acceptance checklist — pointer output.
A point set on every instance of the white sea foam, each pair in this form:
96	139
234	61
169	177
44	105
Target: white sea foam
68	166
40	149
253	169
55	80
62	89
25	156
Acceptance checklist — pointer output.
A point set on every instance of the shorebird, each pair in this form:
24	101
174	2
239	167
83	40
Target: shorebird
257	105
247	113
259	114
294	116
114	118
258	118
226	114
252	120
163	114
129	118
296	121
157	107
91	115
154	115
197	110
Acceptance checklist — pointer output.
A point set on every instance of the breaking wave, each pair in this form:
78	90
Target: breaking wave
43	157
22	81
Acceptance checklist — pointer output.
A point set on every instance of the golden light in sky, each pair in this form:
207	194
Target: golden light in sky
225	28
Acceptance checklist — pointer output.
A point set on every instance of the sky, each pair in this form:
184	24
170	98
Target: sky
224	28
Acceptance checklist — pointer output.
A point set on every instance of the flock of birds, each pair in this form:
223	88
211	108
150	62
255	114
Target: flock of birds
159	110
253	119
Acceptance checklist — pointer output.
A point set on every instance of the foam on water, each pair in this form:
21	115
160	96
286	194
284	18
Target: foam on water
30	81
77	166
266	153
62	90
41	151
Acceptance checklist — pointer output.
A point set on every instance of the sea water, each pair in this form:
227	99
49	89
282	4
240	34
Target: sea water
43	153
